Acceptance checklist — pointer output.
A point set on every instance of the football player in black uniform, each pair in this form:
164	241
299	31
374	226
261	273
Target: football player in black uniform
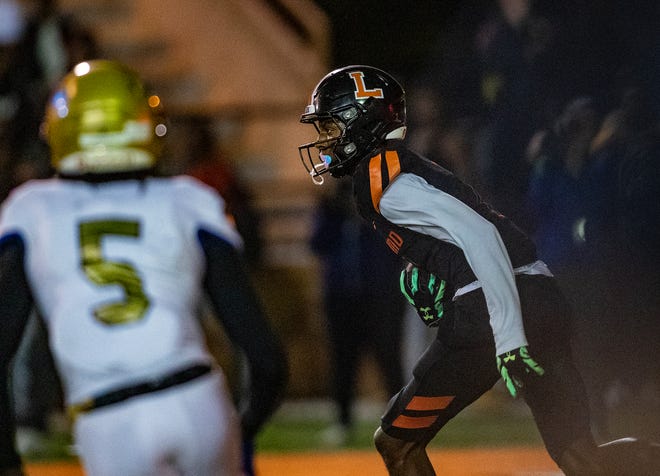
472	273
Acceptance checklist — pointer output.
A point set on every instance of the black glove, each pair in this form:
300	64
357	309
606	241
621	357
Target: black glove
515	367
425	292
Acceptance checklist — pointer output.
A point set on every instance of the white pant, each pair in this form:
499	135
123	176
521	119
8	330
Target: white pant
190	429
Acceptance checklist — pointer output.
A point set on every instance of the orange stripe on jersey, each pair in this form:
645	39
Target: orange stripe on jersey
429	403
403	421
393	164
376	181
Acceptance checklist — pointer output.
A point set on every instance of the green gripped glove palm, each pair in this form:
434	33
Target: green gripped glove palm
515	366
425	292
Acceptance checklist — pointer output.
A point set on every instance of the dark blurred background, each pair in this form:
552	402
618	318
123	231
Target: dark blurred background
548	108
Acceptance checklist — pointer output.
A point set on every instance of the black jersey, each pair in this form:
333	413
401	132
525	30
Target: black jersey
431	218
373	177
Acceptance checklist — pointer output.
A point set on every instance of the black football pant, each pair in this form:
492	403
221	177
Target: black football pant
460	366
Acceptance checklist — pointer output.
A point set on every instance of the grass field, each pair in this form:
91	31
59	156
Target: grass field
494	437
491	422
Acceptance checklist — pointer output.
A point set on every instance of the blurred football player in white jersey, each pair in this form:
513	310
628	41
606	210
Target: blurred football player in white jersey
116	260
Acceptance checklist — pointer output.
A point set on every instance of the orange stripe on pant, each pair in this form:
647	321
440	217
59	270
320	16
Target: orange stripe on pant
404	421
429	403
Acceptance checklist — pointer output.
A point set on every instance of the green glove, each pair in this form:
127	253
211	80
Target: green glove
516	366
425	292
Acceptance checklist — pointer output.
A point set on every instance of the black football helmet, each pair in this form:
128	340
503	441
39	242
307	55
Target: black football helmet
355	110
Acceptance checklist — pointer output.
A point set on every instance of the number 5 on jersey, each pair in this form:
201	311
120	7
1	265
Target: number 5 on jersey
104	272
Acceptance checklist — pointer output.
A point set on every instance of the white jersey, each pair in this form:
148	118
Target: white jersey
115	270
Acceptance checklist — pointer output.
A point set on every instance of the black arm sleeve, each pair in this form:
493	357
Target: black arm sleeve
237	305
15	306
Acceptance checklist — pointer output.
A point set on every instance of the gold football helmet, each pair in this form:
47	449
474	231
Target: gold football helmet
100	120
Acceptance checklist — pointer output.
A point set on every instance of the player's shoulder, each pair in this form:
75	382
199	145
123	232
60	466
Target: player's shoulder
186	188
201	206
34	191
29	200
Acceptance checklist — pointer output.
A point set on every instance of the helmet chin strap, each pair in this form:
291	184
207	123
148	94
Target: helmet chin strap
317	178
323	166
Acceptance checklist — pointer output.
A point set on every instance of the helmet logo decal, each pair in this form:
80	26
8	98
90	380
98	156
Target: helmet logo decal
361	89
